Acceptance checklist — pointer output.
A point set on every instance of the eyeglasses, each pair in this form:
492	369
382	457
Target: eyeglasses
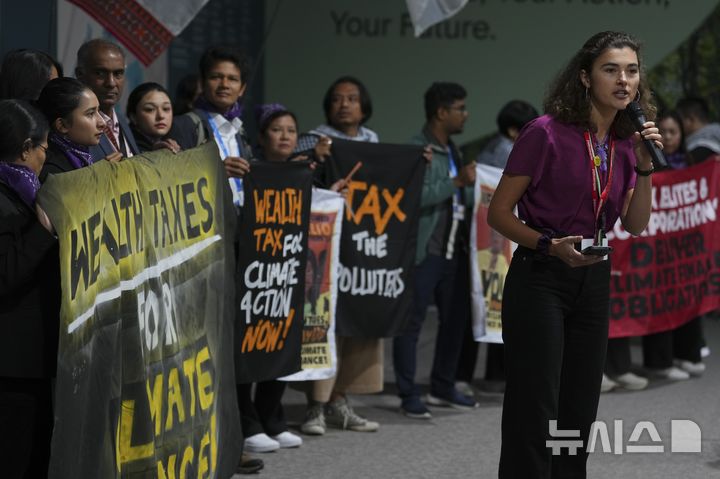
44	147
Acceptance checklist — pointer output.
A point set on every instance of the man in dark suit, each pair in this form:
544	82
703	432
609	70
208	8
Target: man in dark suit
101	66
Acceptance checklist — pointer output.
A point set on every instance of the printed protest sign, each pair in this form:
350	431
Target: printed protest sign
272	253
377	251
145	383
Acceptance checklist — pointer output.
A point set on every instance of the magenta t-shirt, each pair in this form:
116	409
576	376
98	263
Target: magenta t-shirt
554	155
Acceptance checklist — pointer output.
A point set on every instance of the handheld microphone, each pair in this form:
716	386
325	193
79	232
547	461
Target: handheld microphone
634	111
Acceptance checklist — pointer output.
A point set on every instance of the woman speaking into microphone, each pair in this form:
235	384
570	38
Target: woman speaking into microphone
572	173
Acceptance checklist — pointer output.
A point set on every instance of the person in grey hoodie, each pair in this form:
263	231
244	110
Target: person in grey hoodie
702	137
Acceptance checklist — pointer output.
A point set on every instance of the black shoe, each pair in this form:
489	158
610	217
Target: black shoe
249	464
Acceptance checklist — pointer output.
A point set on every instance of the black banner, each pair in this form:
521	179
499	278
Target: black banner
145	365
377	249
271	270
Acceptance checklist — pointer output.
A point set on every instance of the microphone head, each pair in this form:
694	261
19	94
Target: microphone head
634	109
636	114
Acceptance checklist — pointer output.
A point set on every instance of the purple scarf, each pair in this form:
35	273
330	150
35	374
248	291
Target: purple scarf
234	112
22	180
677	160
79	155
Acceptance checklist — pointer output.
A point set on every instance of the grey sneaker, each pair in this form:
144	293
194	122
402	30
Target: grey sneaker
314	424
341	415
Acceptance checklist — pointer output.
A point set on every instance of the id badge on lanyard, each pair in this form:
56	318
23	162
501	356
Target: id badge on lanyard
599	195
236	184
457	207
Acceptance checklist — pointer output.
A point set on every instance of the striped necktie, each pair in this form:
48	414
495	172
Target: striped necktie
111	136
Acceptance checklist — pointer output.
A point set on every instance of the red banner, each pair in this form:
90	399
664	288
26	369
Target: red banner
671	273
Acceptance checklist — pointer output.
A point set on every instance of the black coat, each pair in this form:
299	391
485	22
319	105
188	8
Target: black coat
185	132
29	291
55	162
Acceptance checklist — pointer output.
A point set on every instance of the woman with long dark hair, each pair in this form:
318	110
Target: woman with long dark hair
150	112
572	173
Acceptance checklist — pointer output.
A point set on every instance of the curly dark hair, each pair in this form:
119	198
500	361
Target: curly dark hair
567	99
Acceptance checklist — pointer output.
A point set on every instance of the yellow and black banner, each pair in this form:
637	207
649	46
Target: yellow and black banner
145	380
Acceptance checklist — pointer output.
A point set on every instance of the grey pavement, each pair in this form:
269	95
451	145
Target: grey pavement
467	444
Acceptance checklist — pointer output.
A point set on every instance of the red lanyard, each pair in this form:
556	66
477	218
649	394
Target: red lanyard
599	198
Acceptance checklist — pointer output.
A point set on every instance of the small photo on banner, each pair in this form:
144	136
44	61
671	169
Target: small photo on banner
272	254
490	257
319	356
379	235
670	274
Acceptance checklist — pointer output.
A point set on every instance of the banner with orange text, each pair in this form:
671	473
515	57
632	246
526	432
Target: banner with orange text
379	235
273	240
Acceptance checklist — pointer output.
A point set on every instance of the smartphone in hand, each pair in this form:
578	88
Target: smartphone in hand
595	250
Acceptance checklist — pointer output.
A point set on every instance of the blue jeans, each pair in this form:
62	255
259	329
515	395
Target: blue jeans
448	283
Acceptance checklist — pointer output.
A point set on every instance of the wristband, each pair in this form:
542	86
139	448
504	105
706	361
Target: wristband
640	172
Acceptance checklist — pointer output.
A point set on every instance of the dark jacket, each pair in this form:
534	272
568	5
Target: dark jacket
192	129
437	191
55	162
29	291
103	149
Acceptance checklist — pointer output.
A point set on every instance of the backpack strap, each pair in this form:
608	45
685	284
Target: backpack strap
199	127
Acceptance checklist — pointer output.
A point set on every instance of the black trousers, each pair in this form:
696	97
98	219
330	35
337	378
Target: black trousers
683	342
264	413
555	328
26	422
618	360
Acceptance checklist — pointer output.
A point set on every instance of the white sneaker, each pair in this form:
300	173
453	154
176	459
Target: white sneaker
607	384
261	443
314	420
704	352
673	374
631	382
693	369
339	414
287	439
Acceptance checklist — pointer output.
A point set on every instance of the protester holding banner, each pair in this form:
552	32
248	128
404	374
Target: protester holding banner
348	107
29	296
25	72
72	110
224	73
441	260
572	173
101	66
262	417
151	115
